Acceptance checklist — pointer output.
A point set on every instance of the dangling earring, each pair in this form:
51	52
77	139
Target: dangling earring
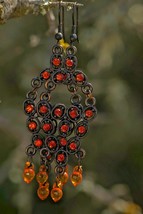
57	129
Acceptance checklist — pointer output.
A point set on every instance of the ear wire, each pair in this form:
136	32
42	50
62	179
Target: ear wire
61	28
75	17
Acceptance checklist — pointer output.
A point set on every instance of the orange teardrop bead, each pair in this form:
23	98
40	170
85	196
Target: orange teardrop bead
42	177
28	175
76	178
43	192
56	194
64	178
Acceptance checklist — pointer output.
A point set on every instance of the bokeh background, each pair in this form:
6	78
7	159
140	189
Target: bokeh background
111	54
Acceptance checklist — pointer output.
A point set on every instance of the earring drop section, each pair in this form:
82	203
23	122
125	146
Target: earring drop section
61	180
76	177
29	172
42	179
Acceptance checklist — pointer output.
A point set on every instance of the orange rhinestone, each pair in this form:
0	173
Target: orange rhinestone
28	175
56	194
64	178
42	177
76	178
43	192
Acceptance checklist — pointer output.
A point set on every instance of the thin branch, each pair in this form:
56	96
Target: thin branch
17	8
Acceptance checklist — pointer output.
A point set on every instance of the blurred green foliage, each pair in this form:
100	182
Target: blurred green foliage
111	54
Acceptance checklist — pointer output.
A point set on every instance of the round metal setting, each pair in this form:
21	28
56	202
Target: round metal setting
70	62
81	129
38	141
73	145
62	141
56	61
90	112
80	78
74	113
61	158
43	108
58	111
33	125
52	143
29	107
48	126
65	128
60	76
45	75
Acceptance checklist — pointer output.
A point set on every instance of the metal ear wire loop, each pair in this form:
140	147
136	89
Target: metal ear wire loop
75	17
61	31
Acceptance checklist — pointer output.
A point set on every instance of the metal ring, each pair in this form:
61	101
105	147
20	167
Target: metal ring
30	150
87	89
72	87
31	95
80	154
44	152
90	101
57	49
71	50
59	169
36	82
75	99
45	96
50	86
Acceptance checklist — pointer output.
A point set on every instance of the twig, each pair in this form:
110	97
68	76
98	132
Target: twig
18	8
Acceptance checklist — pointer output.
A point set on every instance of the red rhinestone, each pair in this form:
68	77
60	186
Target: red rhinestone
46	127
56	61
38	142
58	112
29	108
60	77
69	62
73	146
45	75
61	157
81	129
52	144
73	113
63	142
43	109
79	77
65	128
89	113
32	125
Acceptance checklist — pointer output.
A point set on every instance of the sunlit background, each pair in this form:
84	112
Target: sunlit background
111	54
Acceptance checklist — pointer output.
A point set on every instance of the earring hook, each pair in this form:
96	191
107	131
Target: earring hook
61	28
75	23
